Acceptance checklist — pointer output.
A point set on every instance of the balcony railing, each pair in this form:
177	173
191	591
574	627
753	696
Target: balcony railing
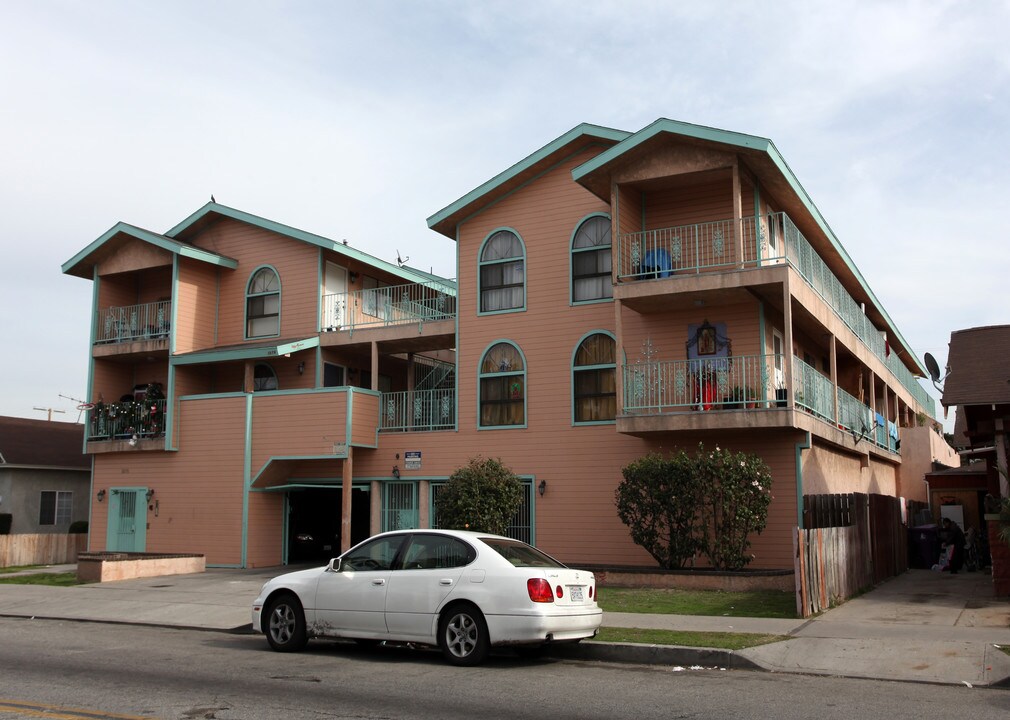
719	383
724	244
394	305
746	383
124	420
417	410
133	322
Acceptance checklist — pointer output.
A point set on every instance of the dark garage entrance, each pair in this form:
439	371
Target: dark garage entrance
314	522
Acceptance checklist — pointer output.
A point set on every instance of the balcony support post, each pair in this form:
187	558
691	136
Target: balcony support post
619	352
375	365
833	360
737	213
345	501
787	351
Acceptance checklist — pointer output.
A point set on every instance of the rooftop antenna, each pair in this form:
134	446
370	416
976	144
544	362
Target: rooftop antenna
934	371
49	410
400	261
82	406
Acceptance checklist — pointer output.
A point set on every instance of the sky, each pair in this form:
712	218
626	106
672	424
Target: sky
358	120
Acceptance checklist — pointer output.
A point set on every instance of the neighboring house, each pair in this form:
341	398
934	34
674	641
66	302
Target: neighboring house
44	475
978	382
618	294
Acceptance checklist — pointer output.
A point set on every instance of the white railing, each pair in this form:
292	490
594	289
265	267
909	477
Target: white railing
394	305
147	321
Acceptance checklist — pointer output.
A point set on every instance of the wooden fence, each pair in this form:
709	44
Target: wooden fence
848	543
46	549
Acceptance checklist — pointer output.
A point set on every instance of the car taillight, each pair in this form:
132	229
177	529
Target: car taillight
539	590
560	592
590	592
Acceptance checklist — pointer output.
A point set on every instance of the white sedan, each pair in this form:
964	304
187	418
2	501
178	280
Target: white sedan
461	591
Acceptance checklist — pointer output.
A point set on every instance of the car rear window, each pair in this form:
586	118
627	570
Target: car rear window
520	554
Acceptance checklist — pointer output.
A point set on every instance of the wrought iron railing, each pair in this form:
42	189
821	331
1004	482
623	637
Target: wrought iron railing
393	305
712	384
126	420
746	383
133	322
417	410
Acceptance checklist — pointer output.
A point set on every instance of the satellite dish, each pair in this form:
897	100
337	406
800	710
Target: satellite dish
934	369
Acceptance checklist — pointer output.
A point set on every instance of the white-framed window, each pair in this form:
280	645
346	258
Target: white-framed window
55	507
502	272
591	260
263	304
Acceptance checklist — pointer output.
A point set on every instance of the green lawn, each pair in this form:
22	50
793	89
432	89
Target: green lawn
718	640
54	579
18	568
756	603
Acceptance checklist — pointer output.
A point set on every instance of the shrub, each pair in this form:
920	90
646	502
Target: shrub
6	520
680	506
737	493
482	496
78	527
658	501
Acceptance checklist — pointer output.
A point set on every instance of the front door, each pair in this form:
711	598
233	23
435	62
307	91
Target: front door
127	524
334	297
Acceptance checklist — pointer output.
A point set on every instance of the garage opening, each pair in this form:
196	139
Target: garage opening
314	522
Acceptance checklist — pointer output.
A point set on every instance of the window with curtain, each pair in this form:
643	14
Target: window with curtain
263	304
591	261
594	379
502	387
502	272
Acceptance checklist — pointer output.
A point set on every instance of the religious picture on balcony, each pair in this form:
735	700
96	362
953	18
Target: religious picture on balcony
706	341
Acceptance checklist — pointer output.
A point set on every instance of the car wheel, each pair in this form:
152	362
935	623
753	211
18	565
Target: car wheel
285	628
463	636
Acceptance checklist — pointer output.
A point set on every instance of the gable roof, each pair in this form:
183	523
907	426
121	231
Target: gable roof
752	146
40	443
82	264
213	211
176	241
579	137
979	362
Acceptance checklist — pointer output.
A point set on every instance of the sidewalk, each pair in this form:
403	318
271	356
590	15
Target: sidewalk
920	627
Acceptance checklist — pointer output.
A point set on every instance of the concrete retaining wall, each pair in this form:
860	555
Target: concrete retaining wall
109	566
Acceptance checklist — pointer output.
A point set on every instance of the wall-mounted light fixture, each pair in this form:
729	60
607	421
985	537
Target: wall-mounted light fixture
101	495
134	440
396	471
301	368
542	487
150	494
353	276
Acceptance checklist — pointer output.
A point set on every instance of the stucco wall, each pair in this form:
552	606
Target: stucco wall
21	490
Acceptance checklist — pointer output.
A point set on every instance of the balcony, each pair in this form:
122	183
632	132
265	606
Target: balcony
133	423
726	245
745	384
129	323
418	410
415	303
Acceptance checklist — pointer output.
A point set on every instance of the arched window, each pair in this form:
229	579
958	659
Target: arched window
594	379
263	304
264	378
502	387
502	270
591	260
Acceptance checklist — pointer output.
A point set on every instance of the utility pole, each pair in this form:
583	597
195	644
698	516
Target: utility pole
50	411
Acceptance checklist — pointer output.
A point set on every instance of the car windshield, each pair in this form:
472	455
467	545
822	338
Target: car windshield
520	554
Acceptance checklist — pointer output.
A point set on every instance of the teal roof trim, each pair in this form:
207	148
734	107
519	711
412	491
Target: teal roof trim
406	273
165	243
750	142
525	164
232	354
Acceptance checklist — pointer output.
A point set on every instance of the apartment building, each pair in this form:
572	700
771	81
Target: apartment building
265	395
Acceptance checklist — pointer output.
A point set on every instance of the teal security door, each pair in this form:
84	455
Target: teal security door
127	531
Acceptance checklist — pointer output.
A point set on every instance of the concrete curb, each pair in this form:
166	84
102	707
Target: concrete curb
642	654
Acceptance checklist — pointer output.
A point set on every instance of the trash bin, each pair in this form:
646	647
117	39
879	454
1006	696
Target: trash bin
923	546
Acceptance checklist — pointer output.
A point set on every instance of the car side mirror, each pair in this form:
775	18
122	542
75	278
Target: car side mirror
333	565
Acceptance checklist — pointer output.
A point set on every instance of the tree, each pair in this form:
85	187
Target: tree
658	501
736	499
482	496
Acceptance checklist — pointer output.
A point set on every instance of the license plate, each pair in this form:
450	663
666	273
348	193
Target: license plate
576	593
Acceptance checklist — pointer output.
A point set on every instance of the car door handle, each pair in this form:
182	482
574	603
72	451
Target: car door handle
379	581
445	581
